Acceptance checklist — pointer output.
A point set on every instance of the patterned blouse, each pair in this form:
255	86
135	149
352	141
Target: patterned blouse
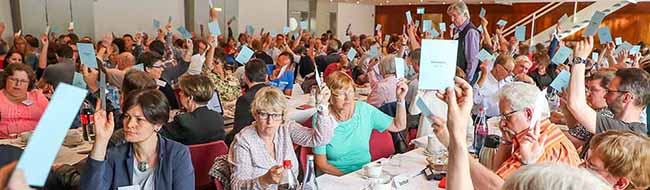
250	158
228	88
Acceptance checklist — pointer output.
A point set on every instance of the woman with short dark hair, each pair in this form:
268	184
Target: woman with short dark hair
148	160
21	106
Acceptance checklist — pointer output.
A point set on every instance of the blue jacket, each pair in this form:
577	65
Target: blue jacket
174	169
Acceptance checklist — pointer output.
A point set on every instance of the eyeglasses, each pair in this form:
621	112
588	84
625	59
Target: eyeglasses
18	81
614	91
349	93
270	116
506	116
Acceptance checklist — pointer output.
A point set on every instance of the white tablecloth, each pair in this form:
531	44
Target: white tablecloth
409	164
66	155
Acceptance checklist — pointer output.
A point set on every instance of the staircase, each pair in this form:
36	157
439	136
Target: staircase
573	24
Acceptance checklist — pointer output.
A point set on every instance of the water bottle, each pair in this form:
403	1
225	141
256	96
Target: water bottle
87	122
288	180
481	130
489	150
309	180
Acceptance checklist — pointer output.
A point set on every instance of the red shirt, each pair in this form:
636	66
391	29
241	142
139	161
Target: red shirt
19	118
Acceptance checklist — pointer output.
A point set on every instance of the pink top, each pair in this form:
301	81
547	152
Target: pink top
18	118
383	92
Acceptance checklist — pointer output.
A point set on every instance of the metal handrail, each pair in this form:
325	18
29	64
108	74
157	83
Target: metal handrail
539	12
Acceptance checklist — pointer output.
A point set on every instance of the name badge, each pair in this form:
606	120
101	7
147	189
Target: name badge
131	187
161	83
28	102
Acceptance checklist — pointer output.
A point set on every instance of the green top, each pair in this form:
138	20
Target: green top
349	148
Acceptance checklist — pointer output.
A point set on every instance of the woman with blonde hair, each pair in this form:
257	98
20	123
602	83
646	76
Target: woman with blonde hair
349	148
258	150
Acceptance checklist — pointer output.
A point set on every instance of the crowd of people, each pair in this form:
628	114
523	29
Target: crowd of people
590	134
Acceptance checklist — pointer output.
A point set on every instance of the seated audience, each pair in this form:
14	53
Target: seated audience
21	106
383	91
148	159
255	78
200	124
348	150
258	151
488	85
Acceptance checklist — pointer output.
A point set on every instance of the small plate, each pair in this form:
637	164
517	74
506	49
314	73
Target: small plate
383	175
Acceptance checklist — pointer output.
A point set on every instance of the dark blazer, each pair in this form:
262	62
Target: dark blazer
201	126
243	115
173	171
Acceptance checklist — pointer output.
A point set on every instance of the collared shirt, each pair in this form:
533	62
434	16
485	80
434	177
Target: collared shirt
558	149
488	95
250	159
383	92
472	47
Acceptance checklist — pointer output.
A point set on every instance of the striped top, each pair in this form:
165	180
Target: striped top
558	149
18	118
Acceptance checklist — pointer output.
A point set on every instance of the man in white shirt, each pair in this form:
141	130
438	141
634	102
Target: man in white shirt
488	85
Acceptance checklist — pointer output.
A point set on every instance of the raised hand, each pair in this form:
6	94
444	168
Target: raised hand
138	38
401	90
583	48
532	145
45	40
439	126
459	105
324	94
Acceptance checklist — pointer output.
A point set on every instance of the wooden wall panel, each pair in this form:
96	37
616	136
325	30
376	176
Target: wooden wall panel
632	22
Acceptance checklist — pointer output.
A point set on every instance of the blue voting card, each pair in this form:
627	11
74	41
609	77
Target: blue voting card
78	80
378	27
244	55
625	46
169	20
184	33
484	55
561	81
286	30
423	107
437	68
400	68
597	17
635	49
594	24
304	25
502	22
619	40
249	30
409	19
563	19
319	81
139	67
215	30
594	56
374	51
87	54
604	35
482	13
42	148
417	23
420	10
520	33
442	26
561	55
426	25
273	33
351	54
156	24
434	33
387	38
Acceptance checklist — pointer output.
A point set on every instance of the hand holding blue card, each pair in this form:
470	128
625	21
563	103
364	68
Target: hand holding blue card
484	55
482	13
604	35
374	51
249	30
502	22
244	55
520	33
434	33
87	54
378	27
36	161
442	26
420	10
351	54
409	19
156	24
214	28
400	68
594	56
423	107
619	40
184	33
561	81
78	80
635	49
426	25
561	55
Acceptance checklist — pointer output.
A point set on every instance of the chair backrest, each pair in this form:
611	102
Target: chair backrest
202	159
381	145
389	109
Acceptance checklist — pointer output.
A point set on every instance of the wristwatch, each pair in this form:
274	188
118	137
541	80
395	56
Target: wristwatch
578	60
321	108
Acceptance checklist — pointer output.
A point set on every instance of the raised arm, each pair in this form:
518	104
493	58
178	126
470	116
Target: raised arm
323	129
399	122
413	41
42	60
459	108
577	102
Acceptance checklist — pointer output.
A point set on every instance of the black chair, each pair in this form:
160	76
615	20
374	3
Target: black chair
399	140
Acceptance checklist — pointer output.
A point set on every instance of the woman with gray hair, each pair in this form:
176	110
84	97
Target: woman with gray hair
554	176
383	91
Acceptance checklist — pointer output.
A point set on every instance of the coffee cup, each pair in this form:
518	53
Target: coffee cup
373	170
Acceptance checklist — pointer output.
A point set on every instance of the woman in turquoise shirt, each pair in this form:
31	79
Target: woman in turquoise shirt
349	148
